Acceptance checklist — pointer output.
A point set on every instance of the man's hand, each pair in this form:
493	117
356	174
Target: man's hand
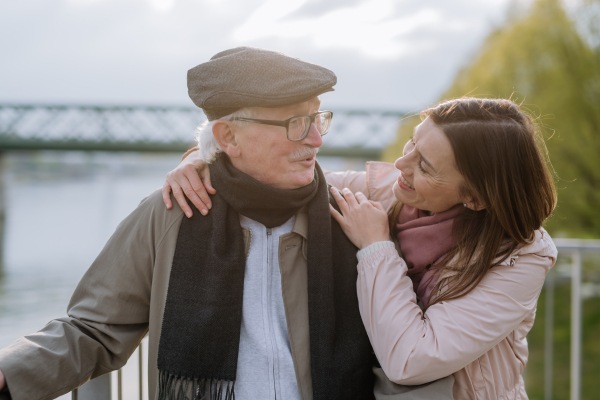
363	221
190	179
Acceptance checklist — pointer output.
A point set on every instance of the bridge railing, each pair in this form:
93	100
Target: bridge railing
354	133
100	388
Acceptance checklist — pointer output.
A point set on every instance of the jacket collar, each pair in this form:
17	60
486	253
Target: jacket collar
301	223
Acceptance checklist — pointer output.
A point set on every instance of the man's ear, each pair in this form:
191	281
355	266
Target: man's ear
225	136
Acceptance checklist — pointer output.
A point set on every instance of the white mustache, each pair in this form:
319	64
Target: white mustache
304	153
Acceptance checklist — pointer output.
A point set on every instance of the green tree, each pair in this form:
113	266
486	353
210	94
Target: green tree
550	62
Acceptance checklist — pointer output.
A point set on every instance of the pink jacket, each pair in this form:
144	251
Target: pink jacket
479	338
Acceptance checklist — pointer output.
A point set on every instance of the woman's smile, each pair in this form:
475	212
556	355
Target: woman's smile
403	183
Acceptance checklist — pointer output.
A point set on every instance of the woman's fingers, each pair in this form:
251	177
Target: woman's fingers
336	215
350	198
194	189
191	194
205	174
361	198
166	189
341	201
180	197
191	178
377	205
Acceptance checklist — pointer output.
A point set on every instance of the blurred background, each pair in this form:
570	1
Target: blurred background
94	112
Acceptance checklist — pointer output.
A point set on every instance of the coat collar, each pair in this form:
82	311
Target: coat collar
301	223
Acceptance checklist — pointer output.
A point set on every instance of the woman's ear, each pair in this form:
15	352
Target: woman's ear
474	204
225	136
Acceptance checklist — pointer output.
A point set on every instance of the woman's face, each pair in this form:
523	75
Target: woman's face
429	178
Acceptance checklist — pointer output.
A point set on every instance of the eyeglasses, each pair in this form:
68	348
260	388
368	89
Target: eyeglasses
296	128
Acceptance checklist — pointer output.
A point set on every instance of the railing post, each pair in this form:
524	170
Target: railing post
3	171
141	371
120	384
576	326
549	336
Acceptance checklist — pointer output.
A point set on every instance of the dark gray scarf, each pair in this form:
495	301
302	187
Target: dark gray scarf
199	342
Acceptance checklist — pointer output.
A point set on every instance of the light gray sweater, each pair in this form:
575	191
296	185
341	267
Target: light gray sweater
265	366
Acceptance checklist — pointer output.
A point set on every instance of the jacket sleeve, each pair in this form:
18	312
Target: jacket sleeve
414	348
107	314
356	181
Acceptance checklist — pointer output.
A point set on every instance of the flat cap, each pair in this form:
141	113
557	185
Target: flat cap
251	77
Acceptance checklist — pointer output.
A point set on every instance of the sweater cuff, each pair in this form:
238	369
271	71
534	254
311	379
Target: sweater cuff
190	151
373	247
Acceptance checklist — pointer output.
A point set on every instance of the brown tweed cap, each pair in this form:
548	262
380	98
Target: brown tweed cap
251	77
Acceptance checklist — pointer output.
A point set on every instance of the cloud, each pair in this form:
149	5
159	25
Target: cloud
371	27
159	5
386	53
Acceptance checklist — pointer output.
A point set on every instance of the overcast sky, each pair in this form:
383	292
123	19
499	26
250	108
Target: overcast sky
392	54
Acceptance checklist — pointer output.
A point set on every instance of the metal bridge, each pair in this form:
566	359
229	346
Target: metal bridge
354	133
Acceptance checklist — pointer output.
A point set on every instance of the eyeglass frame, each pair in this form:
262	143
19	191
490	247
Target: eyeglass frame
286	123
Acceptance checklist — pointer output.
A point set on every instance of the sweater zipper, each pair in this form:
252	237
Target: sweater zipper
269	267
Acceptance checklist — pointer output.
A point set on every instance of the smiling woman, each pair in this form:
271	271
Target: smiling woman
471	195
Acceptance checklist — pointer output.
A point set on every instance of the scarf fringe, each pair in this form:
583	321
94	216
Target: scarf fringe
173	387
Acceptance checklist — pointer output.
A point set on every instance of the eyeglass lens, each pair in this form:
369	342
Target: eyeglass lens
299	127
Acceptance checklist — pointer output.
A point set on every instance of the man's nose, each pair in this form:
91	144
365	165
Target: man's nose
313	137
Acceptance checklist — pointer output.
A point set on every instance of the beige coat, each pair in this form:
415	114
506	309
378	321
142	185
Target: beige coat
122	297
479	338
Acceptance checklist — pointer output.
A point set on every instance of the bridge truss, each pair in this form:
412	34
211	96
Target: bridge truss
354	133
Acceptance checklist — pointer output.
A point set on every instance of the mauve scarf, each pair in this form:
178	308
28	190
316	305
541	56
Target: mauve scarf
424	240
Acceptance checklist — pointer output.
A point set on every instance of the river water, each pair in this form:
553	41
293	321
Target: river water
61	209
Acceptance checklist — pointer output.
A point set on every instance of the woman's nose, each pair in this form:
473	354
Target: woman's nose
402	164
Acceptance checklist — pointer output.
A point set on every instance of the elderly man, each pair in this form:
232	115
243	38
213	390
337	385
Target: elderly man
256	300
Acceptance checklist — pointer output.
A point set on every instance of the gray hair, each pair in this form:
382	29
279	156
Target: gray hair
208	145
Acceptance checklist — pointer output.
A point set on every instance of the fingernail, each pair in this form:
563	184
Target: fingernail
209	206
188	214
204	212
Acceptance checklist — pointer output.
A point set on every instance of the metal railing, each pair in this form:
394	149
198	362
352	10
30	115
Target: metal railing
354	133
576	248
100	389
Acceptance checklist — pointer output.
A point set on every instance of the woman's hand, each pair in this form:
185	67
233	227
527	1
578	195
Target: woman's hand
191	178
363	221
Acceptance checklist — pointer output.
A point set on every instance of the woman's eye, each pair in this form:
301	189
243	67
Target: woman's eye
421	166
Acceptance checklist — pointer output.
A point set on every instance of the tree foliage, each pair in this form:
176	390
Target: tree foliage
549	61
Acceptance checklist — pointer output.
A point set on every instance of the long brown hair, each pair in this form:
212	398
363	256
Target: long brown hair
502	158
